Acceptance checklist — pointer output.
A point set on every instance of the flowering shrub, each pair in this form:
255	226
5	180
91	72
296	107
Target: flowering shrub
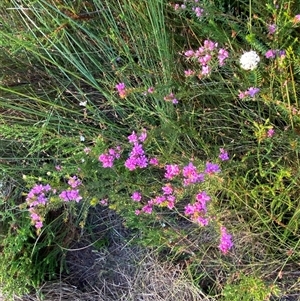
37	198
176	179
159	185
40	197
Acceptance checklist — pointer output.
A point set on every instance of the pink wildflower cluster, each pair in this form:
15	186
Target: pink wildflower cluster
251	92
121	88
167	199
205	56
171	98
71	194
107	159
198	11
223	155
137	157
191	175
211	168
271	28
172	170
136	196
74	182
225	241
273	53
197	211
35	198
189	72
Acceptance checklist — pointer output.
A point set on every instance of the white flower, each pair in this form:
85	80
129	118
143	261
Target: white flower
249	60
83	103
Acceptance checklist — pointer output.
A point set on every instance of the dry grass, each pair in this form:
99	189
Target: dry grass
117	270
153	281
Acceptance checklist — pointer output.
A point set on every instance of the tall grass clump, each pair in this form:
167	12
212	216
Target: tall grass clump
181	117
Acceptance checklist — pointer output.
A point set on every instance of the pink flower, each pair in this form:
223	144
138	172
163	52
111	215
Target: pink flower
198	210
199	52
202	221
270	132
133	138
205	70
172	170
107	159
222	56
121	88
243	94
211	168
87	150
159	199
136	196
189	73
74	182
39	224
270	54
147	208
272	28
198	11
167	189
70	195
137	157
103	202
202	198
297	19
189	209
191	175
143	136
204	60
225	241
150	90
171	201
253	91
210	45
223	155
153	161
189	53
